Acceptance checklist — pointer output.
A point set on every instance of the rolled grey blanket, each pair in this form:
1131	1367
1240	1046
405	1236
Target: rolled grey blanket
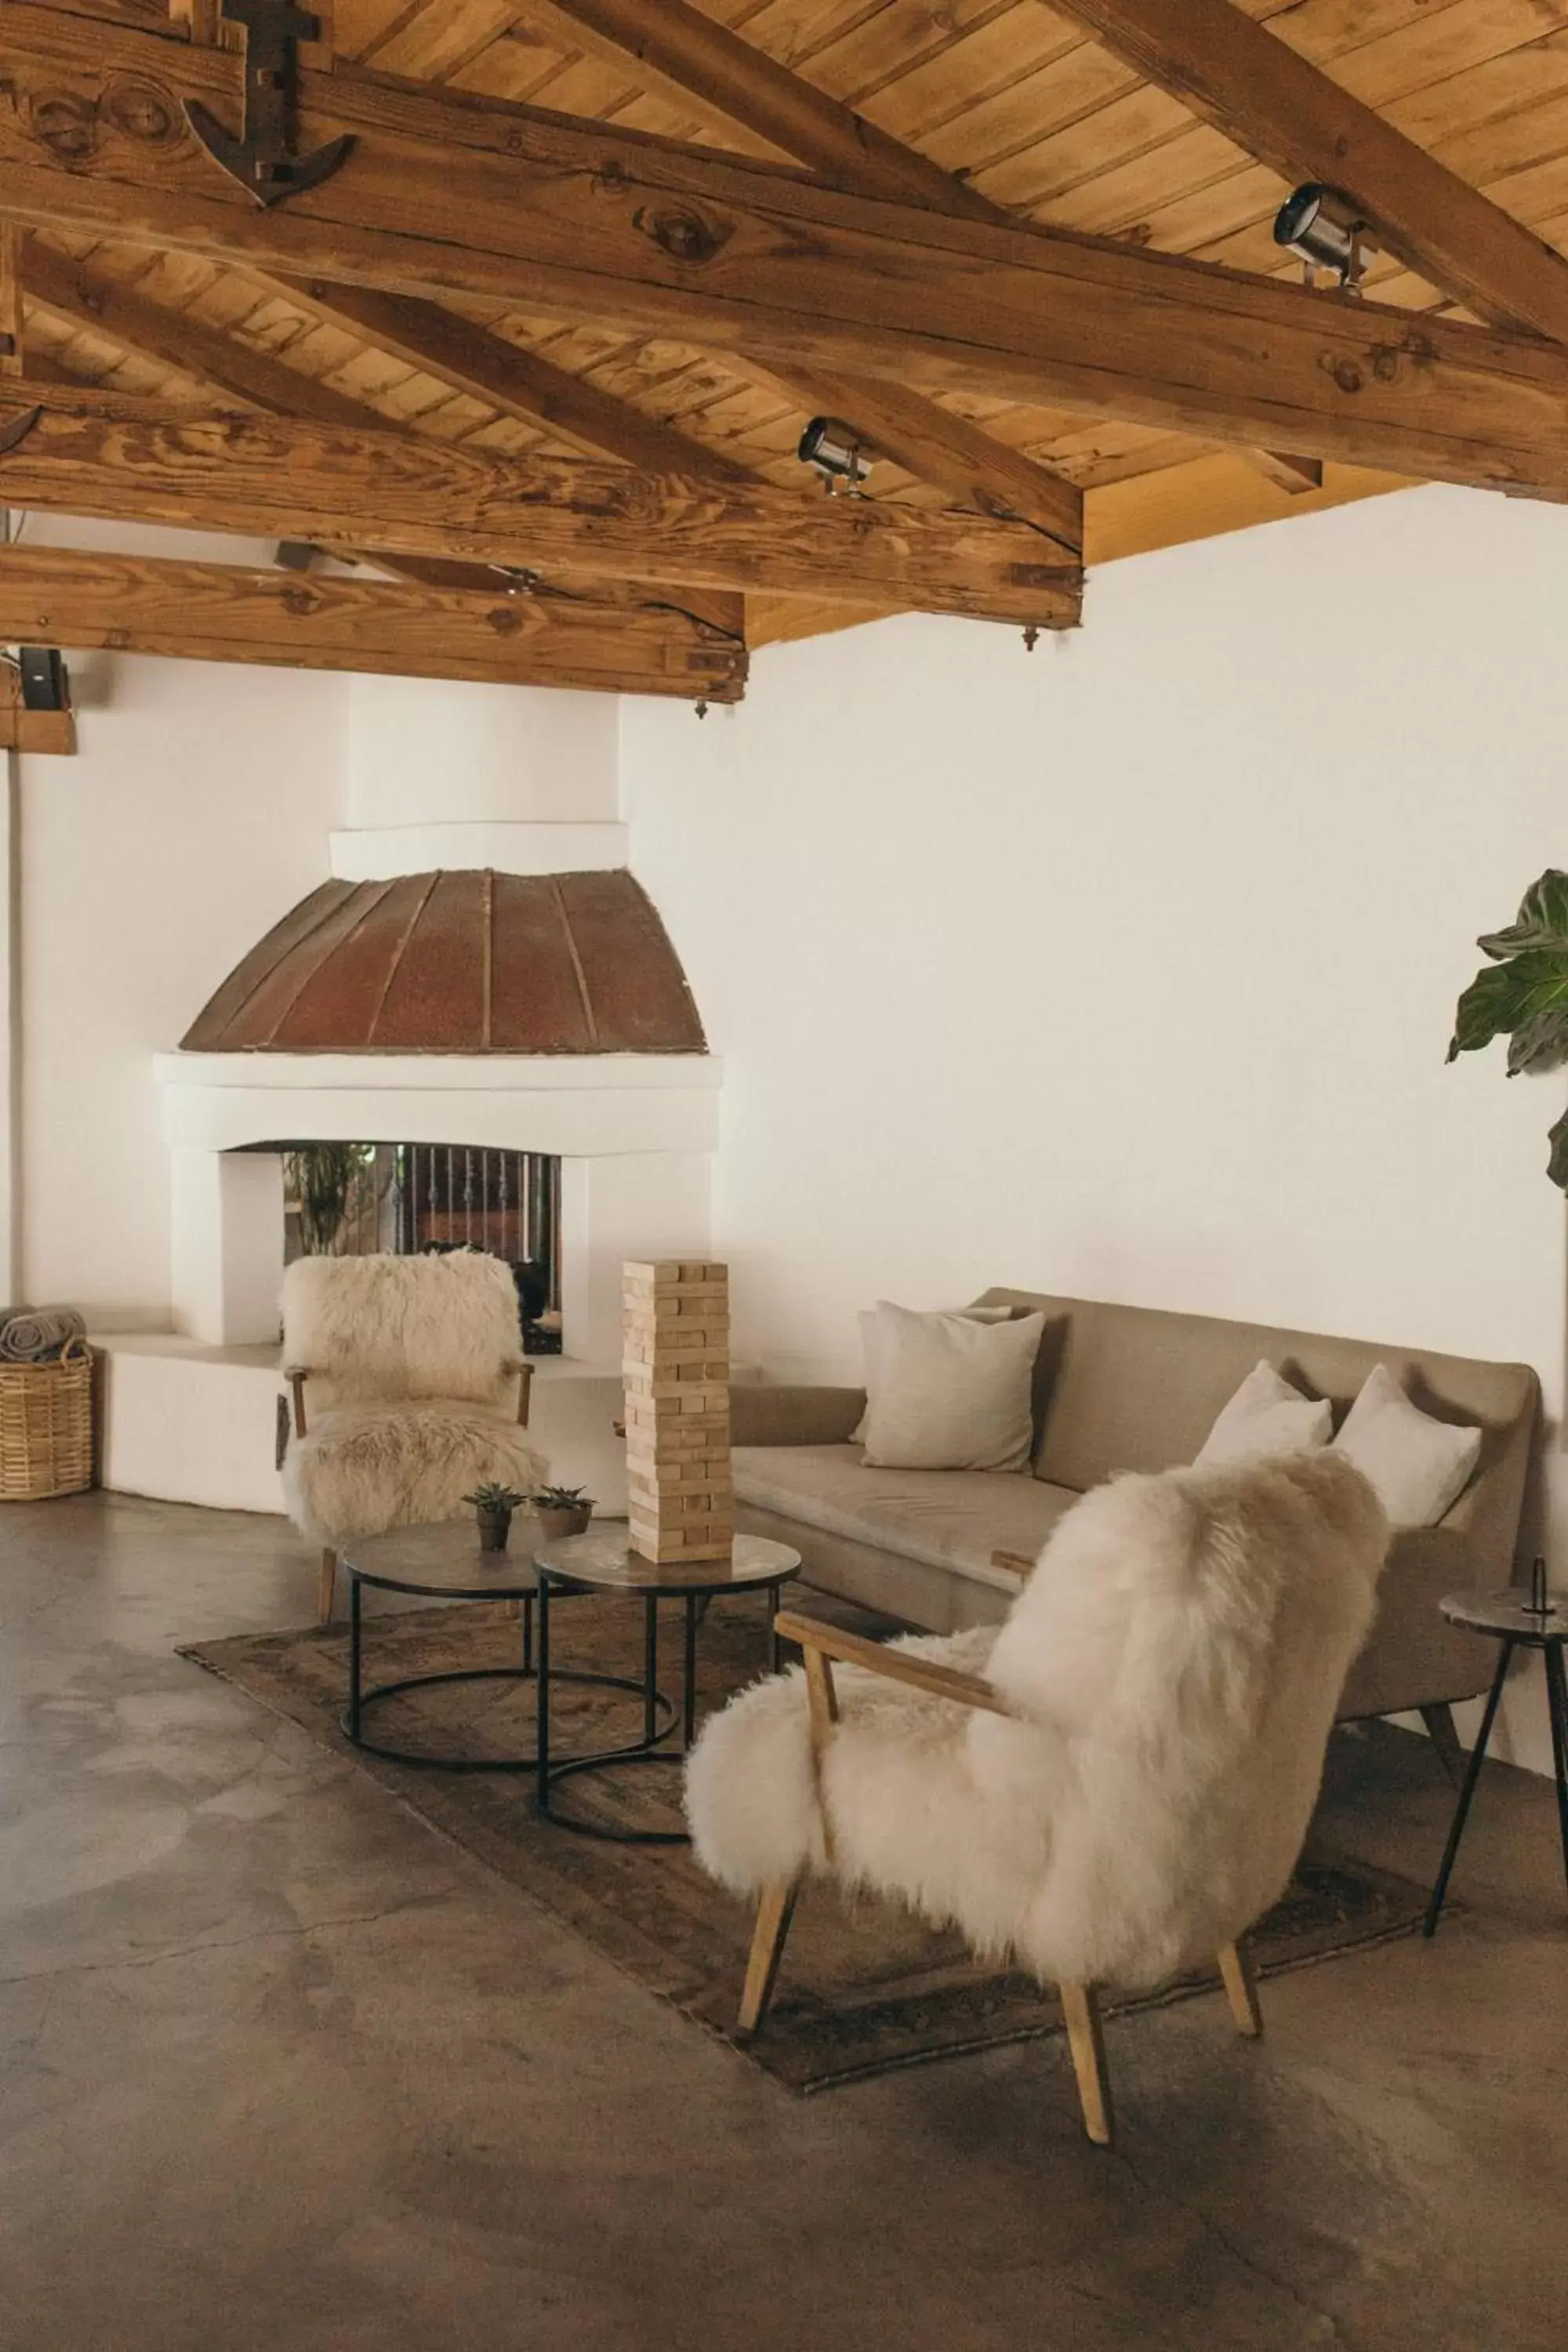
36	1335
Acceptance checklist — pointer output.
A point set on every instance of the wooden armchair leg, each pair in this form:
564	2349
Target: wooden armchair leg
1241	1991
774	1913
327	1589
1087	2044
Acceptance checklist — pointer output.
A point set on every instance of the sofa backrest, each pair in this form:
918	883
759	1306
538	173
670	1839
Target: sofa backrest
1139	1388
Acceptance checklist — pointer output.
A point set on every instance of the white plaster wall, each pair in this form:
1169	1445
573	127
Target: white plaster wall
423	751
1126	968
195	814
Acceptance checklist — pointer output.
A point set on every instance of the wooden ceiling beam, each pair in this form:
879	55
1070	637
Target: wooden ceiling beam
444	192
220	611
687	51
84	297
1291	116
470	360
94	452
691	55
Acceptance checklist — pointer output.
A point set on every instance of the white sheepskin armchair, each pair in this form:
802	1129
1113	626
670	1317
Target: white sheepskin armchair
1107	1788
417	1392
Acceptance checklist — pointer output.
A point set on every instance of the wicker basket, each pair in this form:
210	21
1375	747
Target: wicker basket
45	1426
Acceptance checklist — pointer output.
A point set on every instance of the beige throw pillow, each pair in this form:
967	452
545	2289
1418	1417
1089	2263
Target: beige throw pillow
1266	1416
1417	1467
947	1391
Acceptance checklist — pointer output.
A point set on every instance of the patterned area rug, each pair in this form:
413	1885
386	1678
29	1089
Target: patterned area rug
863	1988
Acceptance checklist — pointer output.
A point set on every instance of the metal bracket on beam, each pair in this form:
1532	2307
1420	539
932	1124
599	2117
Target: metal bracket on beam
17	430
259	158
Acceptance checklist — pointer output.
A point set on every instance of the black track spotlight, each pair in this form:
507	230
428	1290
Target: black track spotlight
1325	229
837	452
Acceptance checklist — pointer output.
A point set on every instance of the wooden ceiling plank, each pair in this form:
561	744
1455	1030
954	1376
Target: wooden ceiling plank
88	453
682	45
211	611
502	376
1299	122
442	192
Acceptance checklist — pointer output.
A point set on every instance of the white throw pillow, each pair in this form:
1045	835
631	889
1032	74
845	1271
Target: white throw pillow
1417	1467
1266	1416
946	1392
868	1324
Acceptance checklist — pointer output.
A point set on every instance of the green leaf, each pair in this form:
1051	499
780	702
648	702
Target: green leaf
1528	995
1540	1045
1557	1166
1541	921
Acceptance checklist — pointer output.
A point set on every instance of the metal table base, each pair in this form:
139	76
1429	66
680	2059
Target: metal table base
359	1698
650	1749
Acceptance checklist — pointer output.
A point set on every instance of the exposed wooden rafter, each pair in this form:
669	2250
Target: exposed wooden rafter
1295	117
600	223
519	383
93	452
211	611
689	52
85	297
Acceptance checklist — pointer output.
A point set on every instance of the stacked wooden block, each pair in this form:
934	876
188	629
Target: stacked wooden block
677	1369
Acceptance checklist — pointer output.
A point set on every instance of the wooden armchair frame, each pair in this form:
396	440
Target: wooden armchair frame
822	1646
297	1375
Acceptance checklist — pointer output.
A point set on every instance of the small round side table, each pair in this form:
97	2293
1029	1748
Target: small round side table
444	1562
1517	1626
606	1563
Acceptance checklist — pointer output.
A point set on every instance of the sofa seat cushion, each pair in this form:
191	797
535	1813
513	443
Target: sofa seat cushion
945	1518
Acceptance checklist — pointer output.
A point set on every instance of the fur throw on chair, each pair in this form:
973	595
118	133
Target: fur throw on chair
411	1400
382	1328
1173	1667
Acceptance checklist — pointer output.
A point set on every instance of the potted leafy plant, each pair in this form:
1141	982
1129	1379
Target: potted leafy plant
493	1507
1522	996
563	1511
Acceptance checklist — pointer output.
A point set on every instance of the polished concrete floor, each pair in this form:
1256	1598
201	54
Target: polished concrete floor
280	2068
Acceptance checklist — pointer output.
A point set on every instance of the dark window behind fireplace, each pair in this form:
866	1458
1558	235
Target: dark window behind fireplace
347	1200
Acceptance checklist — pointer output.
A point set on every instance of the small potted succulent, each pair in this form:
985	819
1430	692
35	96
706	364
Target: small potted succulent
563	1511
493	1507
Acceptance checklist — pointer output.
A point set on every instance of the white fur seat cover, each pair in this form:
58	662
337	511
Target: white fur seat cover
1174	1663
412	1396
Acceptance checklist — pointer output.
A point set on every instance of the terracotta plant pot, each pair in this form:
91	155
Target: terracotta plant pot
556	1525
494	1528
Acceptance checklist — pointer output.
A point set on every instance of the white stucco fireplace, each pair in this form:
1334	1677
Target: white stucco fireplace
448	796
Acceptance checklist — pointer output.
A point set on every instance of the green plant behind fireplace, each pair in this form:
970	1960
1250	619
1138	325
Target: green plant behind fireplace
1522	996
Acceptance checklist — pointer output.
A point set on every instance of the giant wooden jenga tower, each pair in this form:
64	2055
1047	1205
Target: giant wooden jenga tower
677	1367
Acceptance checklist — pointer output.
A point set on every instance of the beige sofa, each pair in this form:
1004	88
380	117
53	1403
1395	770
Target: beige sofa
1132	1388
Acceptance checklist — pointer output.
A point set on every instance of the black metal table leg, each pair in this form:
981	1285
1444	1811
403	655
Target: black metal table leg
528	1632
775	1647
649	1669
542	1716
1461	1811
688	1716
353	1656
1557	1707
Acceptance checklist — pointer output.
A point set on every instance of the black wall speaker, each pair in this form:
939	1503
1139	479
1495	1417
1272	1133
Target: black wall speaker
44	681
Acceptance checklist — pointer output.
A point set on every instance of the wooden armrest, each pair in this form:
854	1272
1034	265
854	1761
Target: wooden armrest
524	1371
1016	1563
297	1375
897	1666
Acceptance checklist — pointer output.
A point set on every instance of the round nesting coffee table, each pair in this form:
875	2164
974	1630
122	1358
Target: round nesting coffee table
1517	1625
605	1562
444	1562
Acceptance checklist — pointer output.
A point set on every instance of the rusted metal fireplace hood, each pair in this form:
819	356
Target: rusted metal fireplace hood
460	962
